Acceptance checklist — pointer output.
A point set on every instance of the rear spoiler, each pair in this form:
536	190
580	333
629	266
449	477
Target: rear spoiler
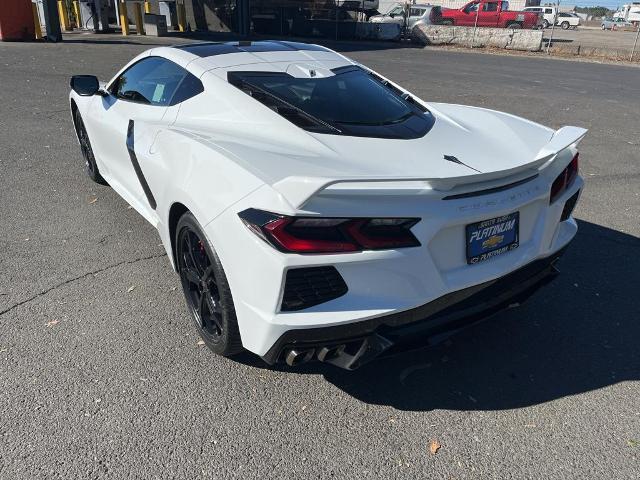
299	190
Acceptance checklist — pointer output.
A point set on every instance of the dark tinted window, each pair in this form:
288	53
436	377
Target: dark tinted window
348	102
151	81
190	87
490	7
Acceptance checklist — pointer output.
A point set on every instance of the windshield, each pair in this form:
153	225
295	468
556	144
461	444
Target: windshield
352	101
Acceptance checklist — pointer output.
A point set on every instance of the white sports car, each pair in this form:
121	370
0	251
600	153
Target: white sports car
315	209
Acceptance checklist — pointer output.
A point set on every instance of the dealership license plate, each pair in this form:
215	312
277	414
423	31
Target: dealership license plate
492	237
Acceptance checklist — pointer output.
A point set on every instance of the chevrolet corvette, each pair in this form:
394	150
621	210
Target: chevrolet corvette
316	210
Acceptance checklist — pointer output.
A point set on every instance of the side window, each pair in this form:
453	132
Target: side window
548	10
415	12
152	81
190	87
490	7
472	8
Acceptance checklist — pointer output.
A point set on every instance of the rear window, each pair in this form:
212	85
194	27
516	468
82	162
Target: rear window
352	102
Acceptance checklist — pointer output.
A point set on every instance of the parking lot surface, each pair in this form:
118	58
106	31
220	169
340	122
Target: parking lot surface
102	376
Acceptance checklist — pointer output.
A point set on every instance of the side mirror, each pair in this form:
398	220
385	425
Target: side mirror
84	85
392	15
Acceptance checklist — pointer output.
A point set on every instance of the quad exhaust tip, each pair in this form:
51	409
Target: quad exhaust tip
346	355
297	356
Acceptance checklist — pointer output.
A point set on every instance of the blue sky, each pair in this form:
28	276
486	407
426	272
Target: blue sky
611	4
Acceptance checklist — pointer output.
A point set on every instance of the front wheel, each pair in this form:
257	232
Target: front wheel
206	289
446	22
545	24
603	27
90	165
564	25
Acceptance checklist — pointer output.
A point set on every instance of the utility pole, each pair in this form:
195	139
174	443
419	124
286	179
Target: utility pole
635	43
475	26
553	27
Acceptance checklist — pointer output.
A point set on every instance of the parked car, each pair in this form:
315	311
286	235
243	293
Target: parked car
489	13
316	210
548	14
568	20
426	14
609	23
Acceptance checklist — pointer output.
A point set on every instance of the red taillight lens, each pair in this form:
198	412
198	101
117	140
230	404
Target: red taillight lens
566	177
306	236
330	235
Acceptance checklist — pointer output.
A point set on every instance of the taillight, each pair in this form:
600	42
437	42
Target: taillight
330	235
565	179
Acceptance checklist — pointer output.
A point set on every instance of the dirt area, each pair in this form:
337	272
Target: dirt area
593	42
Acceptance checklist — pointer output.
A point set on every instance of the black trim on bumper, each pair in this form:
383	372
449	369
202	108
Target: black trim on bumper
360	342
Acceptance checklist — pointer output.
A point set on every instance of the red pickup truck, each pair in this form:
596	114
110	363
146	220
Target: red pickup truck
489	13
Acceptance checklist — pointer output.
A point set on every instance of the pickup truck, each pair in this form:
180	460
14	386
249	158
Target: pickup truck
489	13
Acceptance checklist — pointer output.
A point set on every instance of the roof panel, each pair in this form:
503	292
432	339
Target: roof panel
209	49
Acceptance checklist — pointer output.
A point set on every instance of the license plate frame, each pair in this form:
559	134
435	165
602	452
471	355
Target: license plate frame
492	241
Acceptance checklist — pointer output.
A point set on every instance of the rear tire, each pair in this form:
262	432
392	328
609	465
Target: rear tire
564	25
545	24
446	22
514	26
90	167
206	289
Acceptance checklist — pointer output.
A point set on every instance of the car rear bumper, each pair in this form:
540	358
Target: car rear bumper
349	346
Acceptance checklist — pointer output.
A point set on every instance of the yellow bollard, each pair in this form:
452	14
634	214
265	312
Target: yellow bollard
124	18
137	15
64	16
182	17
76	12
147	6
36	21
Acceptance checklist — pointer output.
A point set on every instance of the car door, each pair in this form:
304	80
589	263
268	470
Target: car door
470	13
142	94
488	17
396	15
549	15
415	14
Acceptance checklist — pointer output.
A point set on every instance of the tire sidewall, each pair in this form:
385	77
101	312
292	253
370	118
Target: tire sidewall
227	343
90	167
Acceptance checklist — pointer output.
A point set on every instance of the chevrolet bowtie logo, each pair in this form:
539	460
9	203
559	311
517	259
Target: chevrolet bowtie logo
492	241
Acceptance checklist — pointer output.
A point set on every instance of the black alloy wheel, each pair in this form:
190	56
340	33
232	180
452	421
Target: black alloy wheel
205	288
91	167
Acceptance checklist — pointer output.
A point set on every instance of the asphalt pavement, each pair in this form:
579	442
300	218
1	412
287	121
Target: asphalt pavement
102	376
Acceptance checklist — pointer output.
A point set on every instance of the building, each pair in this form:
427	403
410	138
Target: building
302	18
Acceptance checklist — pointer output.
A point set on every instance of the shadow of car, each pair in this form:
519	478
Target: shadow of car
577	334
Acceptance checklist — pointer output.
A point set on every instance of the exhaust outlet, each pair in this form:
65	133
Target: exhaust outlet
296	357
328	353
